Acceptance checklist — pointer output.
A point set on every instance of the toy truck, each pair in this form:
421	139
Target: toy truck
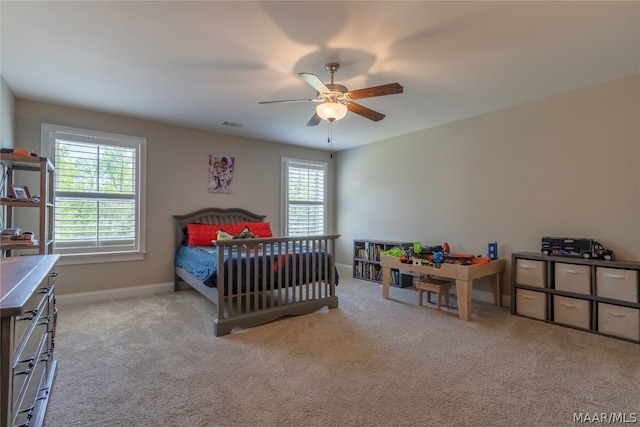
577	247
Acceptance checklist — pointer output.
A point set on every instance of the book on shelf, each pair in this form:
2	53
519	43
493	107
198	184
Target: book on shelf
395	277
374	252
358	270
22	239
19	242
361	252
8	233
26	236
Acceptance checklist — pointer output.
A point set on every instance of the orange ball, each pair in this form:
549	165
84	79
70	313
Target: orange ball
21	152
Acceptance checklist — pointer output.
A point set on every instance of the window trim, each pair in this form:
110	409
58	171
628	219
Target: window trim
49	134
285	163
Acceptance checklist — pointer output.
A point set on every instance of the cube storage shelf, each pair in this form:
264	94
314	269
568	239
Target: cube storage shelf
592	295
366	261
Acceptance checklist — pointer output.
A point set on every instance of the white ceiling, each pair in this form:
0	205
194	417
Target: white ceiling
200	64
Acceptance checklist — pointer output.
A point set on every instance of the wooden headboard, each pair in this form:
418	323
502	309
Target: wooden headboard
213	216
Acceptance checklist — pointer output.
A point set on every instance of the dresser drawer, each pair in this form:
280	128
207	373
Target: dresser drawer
31	406
573	278
36	342
531	304
572	311
531	273
50	304
27	361
617	283
619	321
36	307
22	323
52	278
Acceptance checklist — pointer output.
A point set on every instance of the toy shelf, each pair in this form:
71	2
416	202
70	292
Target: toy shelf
366	261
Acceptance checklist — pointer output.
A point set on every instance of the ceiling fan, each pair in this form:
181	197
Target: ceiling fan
335	100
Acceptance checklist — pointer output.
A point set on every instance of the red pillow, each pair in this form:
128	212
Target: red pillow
202	234
260	229
205	234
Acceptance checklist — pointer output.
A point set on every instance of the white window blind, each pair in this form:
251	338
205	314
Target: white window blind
305	197
98	191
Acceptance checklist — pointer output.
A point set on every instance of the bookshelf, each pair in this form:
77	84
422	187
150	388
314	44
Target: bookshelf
11	208
366	261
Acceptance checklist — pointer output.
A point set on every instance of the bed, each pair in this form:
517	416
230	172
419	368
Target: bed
253	280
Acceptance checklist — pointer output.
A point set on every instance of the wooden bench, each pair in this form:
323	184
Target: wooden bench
437	286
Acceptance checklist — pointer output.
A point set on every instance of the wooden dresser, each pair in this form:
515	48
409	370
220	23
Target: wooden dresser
27	315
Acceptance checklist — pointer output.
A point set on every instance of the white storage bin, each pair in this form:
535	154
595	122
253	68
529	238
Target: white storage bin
531	303
619	321
531	273
573	278
572	311
617	283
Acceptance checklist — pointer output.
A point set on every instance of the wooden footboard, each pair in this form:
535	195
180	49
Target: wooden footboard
263	279
292	276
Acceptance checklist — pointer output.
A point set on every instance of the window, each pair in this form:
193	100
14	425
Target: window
98	193
304	196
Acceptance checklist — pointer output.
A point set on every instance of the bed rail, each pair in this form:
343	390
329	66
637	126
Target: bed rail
303	273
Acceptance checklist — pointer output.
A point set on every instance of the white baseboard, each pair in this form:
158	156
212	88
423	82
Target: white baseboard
111	294
137	291
487	296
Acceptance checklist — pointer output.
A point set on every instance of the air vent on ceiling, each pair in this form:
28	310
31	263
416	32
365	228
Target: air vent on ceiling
232	124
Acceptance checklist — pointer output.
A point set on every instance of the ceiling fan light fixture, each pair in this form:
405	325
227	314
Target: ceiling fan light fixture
331	111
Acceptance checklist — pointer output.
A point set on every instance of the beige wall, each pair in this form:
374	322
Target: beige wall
565	165
177	174
7	102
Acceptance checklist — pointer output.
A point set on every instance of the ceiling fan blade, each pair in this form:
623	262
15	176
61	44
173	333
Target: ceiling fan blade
365	112
315	82
314	120
291	100
369	92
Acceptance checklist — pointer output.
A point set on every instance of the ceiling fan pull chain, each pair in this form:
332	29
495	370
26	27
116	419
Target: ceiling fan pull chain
330	138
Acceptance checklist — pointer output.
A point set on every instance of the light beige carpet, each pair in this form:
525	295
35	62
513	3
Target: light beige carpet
153	361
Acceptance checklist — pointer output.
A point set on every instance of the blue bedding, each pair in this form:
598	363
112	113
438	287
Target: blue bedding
305	264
